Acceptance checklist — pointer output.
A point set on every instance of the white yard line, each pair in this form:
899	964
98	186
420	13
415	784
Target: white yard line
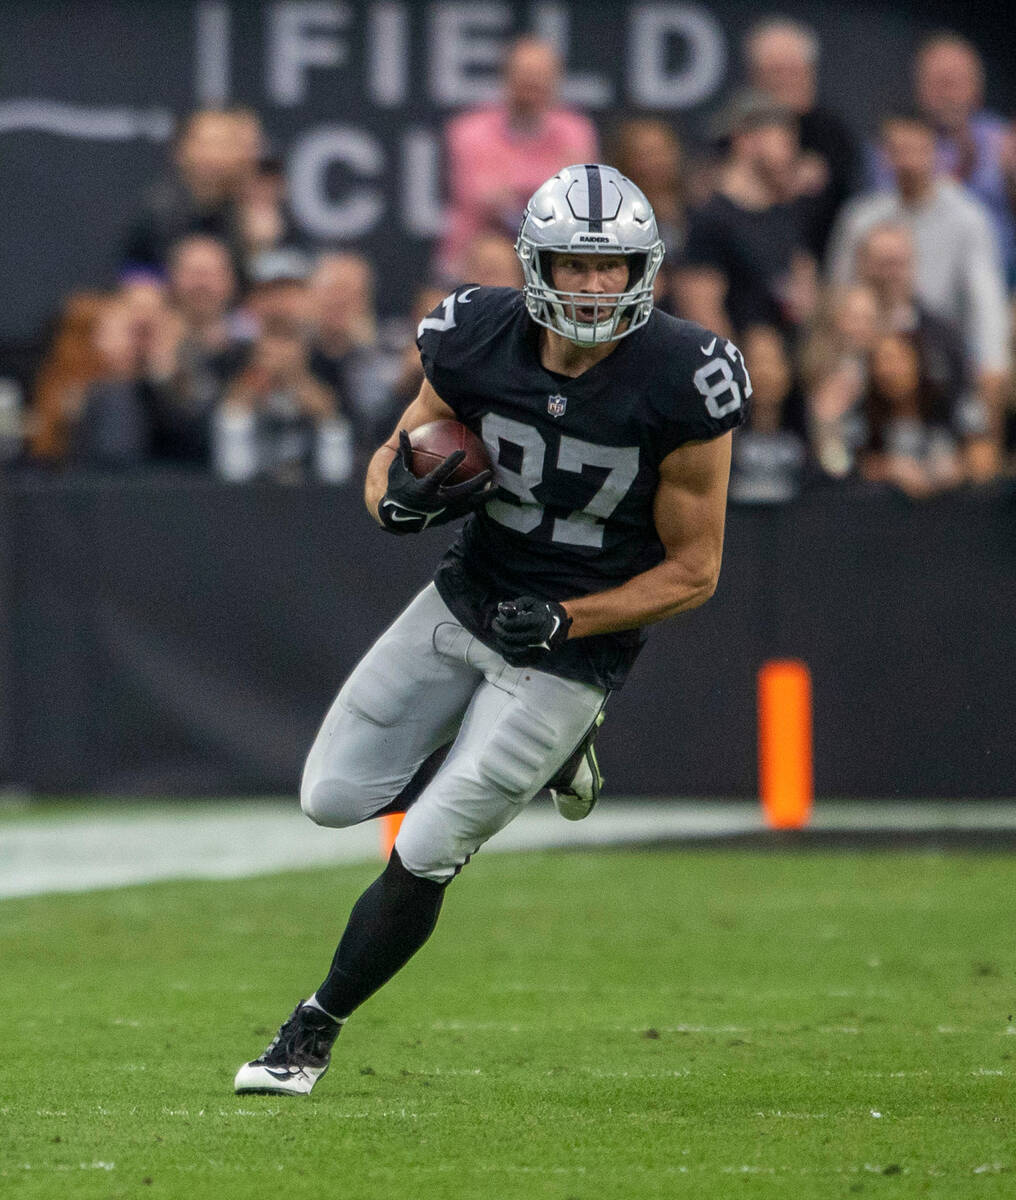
81	853
200	841
141	844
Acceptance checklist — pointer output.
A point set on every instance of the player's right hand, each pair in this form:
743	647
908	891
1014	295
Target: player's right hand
410	505
526	628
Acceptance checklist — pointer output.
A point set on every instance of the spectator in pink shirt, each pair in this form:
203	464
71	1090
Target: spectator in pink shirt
498	156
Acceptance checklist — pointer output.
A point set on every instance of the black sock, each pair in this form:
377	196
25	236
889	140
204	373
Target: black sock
388	924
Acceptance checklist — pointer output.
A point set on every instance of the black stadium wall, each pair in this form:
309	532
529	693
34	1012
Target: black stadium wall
185	637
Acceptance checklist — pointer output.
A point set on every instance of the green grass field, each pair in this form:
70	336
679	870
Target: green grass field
581	1027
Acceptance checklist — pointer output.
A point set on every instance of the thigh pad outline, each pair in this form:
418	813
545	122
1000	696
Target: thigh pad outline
514	758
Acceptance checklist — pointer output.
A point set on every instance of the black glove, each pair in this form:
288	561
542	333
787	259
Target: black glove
526	625
411	505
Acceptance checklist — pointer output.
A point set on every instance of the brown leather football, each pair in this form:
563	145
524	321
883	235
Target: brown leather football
433	442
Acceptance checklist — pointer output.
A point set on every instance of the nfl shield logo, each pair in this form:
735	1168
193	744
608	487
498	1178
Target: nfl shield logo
556	405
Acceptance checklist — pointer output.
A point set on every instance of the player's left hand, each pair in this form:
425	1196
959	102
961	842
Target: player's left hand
528	624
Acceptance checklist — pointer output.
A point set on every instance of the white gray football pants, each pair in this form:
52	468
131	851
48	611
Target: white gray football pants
425	681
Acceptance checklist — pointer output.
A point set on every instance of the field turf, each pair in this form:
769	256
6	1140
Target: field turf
582	1026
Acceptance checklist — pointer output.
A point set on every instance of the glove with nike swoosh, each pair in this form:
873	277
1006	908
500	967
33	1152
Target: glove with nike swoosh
526	625
410	505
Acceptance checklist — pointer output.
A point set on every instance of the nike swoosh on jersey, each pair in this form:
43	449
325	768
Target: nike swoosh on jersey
708	349
464	296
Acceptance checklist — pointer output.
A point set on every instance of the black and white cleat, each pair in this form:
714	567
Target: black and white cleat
295	1059
576	787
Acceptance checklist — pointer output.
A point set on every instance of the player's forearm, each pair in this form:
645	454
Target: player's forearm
654	595
377	479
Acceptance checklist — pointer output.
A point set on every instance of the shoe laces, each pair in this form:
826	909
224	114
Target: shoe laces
301	1038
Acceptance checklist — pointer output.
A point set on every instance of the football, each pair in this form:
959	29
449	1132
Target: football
433	442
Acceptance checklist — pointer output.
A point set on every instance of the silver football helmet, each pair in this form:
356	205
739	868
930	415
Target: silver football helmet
589	209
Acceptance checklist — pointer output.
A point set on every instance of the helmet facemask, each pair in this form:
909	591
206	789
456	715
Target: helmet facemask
615	314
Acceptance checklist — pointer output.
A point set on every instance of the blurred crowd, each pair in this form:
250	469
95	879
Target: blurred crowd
869	286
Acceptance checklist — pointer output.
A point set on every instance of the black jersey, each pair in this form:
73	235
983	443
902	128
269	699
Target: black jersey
576	459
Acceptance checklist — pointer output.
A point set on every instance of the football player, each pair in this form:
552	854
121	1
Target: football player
608	424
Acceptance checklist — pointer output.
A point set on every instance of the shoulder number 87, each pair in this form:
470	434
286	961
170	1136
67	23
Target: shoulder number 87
715	379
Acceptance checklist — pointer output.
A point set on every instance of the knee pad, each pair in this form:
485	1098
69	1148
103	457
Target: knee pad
337	803
430	850
320	801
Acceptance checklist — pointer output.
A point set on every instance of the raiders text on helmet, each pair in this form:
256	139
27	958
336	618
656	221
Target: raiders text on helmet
589	209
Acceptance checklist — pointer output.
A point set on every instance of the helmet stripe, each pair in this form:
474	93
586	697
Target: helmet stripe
594	187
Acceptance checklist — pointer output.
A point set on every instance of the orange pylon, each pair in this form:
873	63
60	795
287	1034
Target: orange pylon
391	823
785	768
